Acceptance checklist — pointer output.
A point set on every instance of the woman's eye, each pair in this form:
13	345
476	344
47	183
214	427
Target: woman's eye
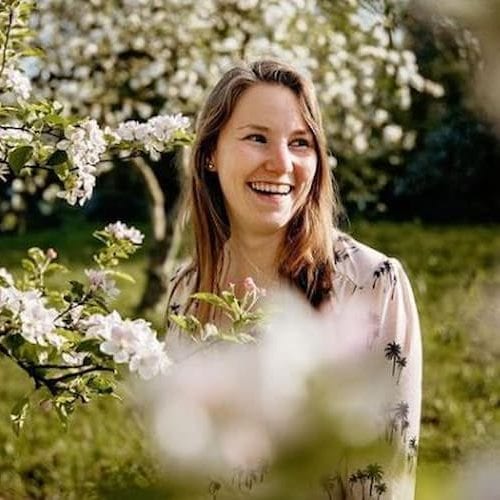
256	138
302	143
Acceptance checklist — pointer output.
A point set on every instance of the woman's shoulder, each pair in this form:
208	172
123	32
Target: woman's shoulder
358	262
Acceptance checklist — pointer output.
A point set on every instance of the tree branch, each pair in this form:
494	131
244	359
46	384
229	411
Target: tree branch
157	199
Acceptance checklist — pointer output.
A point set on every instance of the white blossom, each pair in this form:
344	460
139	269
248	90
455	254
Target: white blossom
122	232
74	358
37	321
127	341
392	134
85	144
17	82
99	280
155	134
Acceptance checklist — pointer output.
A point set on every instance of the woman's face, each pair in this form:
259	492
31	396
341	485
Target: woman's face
265	159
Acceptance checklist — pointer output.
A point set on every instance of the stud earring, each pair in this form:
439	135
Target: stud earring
211	166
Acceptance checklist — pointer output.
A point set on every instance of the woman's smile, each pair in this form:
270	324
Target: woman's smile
266	159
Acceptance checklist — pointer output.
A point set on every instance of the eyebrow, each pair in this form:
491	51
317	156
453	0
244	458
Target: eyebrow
266	129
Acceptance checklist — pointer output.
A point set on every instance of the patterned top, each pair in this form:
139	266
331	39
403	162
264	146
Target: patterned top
373	291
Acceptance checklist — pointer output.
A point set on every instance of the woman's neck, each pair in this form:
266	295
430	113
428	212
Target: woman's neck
254	256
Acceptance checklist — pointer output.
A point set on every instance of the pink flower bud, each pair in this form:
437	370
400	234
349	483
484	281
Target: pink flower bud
249	285
51	254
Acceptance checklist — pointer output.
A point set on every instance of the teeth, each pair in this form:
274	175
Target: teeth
271	188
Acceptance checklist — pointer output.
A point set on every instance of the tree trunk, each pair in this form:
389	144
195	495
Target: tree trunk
163	209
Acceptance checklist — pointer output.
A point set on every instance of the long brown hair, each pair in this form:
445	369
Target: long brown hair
306	254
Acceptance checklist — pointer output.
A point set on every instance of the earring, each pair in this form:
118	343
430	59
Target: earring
210	166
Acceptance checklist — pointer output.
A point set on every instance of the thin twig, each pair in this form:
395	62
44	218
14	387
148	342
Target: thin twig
69	376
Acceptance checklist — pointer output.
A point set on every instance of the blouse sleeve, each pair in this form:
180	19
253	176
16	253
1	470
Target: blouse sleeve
398	340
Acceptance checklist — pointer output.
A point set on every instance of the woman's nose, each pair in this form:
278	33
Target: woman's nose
280	158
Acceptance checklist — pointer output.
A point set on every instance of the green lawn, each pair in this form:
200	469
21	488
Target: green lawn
455	272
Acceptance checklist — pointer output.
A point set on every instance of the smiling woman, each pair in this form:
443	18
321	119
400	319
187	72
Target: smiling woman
263	204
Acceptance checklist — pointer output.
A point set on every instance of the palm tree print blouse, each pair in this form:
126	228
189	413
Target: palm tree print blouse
372	290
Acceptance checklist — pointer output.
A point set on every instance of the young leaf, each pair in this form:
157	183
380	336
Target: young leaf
57	157
210	298
18	414
19	156
122	275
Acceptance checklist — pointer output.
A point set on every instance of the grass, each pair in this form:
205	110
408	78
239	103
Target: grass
455	272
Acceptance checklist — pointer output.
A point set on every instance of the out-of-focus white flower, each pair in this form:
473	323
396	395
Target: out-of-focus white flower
392	134
99	280
434	89
6	276
380	117
14	135
235	406
209	331
4	172
122	232
360	143
150	360
18	82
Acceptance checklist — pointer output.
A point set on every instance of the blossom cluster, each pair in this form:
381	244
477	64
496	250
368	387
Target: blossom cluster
16	82
121	231
128	341
155	134
28	308
85	144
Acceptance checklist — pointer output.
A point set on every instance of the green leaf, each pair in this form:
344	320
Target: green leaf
211	298
37	254
19	156
56	268
187	323
100	385
28	266
77	289
18	414
122	275
57	157
89	345
62	170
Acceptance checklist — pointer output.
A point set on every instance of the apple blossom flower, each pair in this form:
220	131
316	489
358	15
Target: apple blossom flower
74	358
392	134
37	321
122	232
155	134
127	341
100	281
85	144
17	82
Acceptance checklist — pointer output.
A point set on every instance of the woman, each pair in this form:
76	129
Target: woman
263	204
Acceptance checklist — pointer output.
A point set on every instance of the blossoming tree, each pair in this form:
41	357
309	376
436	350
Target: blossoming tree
129	60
